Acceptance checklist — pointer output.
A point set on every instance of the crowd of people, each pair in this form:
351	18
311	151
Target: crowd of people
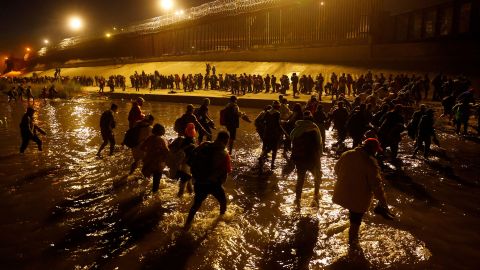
415	88
381	110
20	93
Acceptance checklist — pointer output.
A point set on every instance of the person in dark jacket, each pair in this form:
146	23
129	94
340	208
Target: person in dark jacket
391	129
448	102
412	126
210	180
30	94
357	124
306	153
377	117
232	119
339	117
260	122
189	117
107	124
289	125
273	132
28	130
462	115
320	118
425	132
205	121
294	80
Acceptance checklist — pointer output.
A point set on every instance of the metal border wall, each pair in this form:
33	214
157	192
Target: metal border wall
226	25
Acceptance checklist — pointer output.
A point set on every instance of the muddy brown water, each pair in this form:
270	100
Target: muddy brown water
63	208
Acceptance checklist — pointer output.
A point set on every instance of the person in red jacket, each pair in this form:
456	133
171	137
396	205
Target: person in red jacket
135	113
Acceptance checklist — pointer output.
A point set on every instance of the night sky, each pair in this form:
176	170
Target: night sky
25	23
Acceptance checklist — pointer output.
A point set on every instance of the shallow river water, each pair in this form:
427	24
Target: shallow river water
64	208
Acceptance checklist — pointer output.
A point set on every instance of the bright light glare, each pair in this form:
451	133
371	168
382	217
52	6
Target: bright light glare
179	12
108	35
28	49
322	3
46	41
166	4
75	23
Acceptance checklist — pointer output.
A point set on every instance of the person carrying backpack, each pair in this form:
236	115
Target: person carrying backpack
180	152
307	149
273	132
181	123
210	164
462	115
230	118
140	133
205	121
425	133
107	124
156	152
260	122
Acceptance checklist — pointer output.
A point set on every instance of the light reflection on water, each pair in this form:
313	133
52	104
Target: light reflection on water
76	210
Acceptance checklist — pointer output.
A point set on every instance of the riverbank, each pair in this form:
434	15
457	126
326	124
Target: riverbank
217	97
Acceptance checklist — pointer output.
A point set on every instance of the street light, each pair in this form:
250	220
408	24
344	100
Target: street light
46	41
28	49
75	23
166	4
108	35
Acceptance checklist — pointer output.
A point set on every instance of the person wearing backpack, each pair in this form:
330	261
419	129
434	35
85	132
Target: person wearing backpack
107	124
205	121
181	123
180	152
143	130
210	164
156	153
260	122
230	118
273	132
462	115
307	149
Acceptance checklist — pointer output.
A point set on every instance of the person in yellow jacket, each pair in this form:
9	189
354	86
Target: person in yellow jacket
358	180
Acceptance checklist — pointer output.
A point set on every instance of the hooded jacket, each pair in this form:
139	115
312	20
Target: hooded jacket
306	143
358	179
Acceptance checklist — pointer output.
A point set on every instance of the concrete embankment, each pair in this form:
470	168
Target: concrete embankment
223	67
216	97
